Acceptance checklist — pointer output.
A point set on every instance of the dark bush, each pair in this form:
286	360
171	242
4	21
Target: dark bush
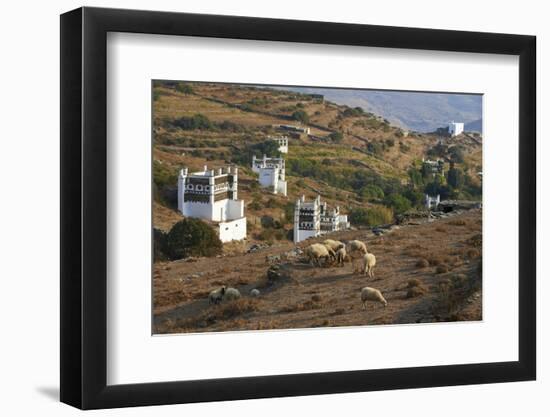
399	203
336	137
159	246
301	116
198	121
184	88
192	237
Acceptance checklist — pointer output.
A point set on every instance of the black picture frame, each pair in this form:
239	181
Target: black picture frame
84	207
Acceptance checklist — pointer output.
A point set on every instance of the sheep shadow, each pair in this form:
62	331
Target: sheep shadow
187	310
328	279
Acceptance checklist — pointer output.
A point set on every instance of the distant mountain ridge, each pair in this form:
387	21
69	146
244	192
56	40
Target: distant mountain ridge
475	126
419	111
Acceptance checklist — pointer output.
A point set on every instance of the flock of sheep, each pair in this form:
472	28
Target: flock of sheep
335	251
330	251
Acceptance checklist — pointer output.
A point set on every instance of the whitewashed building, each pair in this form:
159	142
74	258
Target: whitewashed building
455	128
314	218
282	141
213	195
332	220
271	173
431	202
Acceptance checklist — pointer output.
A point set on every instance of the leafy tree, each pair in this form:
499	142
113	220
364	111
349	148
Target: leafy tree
455	178
399	203
416	177
301	116
269	148
372	192
456	154
192	237
415	197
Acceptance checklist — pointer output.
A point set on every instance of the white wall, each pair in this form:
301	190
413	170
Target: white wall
29	242
233	230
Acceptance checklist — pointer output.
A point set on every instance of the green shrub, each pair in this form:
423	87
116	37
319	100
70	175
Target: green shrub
353	112
399	203
336	137
301	116
455	178
371	217
198	121
184	88
372	192
456	154
192	237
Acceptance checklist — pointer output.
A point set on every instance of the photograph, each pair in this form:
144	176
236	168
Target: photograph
292	207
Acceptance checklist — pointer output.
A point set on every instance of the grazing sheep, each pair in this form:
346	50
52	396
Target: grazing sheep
333	244
356	250
216	296
317	251
341	256
369	261
254	292
372	294
231	294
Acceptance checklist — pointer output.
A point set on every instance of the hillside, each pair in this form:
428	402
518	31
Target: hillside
352	158
428	273
423	112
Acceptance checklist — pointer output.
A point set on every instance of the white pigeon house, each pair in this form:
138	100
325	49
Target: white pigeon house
455	128
271	173
312	219
212	195
282	141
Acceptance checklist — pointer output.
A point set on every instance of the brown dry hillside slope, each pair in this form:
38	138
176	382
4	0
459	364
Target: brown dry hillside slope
238	117
428	273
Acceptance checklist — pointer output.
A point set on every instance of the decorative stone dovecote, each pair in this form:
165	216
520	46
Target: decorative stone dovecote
271	173
282	141
213	195
312	219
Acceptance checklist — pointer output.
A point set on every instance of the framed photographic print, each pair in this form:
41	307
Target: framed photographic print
257	208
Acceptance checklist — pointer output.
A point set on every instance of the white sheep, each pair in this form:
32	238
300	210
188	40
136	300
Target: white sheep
333	244
369	261
317	251
372	294
341	256
216	296
231	294
356	250
254	292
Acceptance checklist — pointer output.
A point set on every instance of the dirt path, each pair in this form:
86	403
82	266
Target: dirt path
310	296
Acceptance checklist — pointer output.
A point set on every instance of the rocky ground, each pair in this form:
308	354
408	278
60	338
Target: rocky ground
429	270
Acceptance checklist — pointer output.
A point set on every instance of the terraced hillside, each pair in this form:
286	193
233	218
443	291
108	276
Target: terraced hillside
352	158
